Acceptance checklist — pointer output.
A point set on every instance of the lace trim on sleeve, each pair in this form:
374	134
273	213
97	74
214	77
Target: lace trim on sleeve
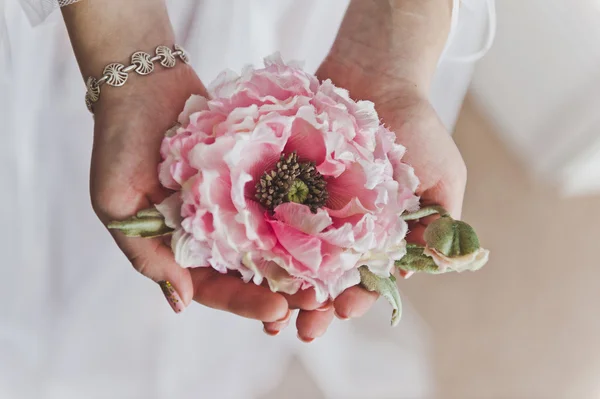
38	10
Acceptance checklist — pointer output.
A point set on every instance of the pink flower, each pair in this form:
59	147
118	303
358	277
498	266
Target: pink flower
286	179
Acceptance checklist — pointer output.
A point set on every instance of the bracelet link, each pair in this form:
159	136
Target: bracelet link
143	63
116	76
166	57
89	103
93	88
183	56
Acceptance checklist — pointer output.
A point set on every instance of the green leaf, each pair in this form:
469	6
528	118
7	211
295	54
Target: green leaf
424	212
147	223
384	287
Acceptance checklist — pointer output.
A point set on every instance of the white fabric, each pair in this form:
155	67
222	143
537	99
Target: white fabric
38	10
491	29
75	320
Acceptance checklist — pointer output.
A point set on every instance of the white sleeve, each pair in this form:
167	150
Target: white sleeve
38	10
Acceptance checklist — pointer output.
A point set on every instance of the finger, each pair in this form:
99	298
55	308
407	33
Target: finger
151	257
312	324
448	194
274	328
354	302
230	293
303	299
154	260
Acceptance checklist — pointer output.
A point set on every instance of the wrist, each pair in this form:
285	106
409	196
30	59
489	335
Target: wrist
393	42
375	84
100	36
159	95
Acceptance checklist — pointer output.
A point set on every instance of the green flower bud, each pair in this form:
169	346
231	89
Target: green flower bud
451	237
454	245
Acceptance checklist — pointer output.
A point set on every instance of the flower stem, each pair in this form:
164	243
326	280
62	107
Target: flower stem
424	212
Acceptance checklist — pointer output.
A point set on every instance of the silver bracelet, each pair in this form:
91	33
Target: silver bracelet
142	63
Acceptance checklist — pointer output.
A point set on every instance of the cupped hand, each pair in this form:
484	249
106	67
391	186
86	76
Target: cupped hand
405	109
130	122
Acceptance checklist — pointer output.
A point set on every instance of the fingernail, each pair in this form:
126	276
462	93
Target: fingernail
285	318
339	316
172	296
305	340
324	307
272	333
277	326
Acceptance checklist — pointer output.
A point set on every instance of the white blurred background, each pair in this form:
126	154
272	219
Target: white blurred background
540	85
527	325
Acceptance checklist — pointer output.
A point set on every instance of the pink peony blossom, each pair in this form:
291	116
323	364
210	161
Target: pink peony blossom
227	144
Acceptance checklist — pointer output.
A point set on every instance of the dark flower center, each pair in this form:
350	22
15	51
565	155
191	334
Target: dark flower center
292	181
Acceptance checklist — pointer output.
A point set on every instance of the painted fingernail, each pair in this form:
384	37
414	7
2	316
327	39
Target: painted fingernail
276	326
339	316
305	340
285	318
270	332
172	296
324	307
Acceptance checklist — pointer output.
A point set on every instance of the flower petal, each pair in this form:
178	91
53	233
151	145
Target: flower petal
349	187
170	208
175	169
215	191
374	172
193	104
300	217
210	156
199	224
306	139
278	279
354	207
257	229
342	236
225	84
302	247
347	280
473	261
189	252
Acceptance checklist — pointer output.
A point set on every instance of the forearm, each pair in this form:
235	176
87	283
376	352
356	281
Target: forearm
393	39
105	31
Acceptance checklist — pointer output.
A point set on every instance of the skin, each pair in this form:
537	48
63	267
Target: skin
386	52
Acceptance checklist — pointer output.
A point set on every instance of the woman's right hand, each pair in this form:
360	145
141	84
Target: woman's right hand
130	122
